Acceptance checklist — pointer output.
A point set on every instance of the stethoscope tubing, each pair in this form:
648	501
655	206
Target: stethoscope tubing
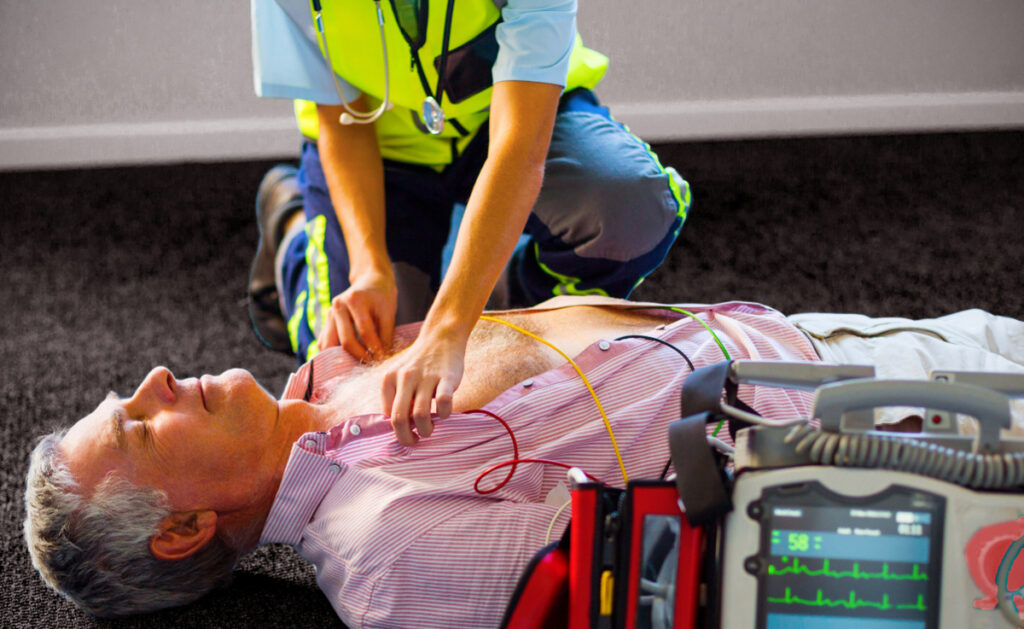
432	115
351	116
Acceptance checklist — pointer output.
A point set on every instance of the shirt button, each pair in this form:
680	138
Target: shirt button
355	430
334	467
310	443
528	382
660	327
604	345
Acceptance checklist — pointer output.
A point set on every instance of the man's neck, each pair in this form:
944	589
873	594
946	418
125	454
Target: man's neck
294	419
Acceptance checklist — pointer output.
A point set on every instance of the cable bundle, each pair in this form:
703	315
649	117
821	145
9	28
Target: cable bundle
969	469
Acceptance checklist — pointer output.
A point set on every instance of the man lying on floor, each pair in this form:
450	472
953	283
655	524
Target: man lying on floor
150	501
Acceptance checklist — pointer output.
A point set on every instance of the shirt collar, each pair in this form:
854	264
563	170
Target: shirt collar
308	476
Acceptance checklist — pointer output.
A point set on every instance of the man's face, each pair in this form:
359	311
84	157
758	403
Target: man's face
203	441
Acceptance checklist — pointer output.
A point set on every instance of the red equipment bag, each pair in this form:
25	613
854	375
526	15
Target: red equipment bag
634	558
629	560
540	600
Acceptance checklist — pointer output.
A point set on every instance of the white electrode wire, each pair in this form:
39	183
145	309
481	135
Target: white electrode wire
721	446
732	411
351	116
551	527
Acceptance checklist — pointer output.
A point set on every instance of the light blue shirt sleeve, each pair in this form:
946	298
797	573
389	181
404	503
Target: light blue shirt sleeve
286	58
535	41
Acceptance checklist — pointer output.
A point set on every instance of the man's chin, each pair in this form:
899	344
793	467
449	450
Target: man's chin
235	388
240	379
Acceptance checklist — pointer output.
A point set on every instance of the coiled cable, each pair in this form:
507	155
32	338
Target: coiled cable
969	469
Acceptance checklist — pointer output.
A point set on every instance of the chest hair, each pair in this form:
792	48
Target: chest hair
497	357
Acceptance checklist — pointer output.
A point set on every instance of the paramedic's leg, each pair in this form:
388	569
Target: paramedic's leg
316	266
972	340
607	214
278	206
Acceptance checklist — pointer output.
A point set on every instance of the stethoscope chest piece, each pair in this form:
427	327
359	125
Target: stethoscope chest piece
432	116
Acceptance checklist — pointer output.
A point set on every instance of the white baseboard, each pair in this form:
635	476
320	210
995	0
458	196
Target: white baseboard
270	138
822	115
113	144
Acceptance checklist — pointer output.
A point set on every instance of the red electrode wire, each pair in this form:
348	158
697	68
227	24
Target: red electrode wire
514	461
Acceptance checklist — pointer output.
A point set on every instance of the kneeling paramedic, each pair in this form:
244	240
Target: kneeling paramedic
408	110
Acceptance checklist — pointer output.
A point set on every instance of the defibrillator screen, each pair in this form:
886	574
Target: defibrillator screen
830	561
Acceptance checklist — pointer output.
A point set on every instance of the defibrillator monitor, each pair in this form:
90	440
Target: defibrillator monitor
837	562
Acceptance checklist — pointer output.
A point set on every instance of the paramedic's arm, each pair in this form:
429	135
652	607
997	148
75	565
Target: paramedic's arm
522	118
362	318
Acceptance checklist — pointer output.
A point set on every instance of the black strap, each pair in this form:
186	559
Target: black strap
309	384
700	479
702	390
702	393
439	90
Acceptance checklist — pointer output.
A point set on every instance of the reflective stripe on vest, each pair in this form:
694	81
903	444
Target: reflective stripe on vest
356	54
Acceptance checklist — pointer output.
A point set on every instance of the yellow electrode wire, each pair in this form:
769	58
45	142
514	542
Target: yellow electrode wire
593	394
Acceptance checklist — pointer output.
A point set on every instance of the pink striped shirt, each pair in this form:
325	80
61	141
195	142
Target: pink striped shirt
398	535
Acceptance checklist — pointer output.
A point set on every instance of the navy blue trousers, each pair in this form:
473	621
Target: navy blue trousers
606	216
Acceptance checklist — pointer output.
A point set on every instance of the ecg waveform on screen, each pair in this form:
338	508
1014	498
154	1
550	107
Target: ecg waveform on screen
852	602
855	573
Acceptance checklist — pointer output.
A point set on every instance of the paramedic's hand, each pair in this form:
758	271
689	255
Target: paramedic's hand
362	319
430	369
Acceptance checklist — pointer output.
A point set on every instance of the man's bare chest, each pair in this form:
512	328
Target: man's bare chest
499	356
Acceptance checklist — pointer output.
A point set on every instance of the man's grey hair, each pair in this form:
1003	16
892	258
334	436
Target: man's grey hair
95	550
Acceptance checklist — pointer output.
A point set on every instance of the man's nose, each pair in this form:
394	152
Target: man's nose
156	391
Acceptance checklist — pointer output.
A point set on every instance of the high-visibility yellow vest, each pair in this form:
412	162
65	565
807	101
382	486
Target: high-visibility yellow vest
355	46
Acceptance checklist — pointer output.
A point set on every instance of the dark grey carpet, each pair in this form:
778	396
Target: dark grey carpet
109	272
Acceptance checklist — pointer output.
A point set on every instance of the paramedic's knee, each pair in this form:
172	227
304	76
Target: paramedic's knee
605	194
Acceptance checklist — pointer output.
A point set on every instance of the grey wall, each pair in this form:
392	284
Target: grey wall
121	81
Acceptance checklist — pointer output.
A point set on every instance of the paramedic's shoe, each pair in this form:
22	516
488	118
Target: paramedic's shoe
278	198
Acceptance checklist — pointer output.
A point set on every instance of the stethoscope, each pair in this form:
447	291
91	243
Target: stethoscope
431	114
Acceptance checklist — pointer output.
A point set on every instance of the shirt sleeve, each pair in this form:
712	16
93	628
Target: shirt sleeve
286	58
535	40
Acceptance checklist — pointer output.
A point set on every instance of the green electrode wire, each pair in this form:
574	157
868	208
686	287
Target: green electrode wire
721	345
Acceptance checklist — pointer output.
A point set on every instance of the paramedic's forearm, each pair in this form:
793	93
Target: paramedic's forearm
522	117
355	178
360	319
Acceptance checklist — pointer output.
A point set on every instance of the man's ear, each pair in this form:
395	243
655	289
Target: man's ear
182	534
